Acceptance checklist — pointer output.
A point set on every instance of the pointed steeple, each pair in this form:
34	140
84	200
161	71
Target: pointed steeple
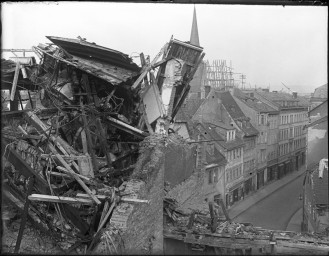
194	31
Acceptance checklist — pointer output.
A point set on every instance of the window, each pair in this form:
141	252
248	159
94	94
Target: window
215	175
210	176
234	154
262	119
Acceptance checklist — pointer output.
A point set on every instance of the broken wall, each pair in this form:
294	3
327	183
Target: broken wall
180	162
141	230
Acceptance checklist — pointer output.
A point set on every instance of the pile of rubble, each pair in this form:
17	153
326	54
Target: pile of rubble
77	125
198	230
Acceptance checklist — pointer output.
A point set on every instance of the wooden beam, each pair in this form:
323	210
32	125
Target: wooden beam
17	50
13	88
126	200
71	176
59	199
103	142
126	127
106	217
78	179
89	141
148	68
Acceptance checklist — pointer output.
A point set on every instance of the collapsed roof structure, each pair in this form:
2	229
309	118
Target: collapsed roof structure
71	141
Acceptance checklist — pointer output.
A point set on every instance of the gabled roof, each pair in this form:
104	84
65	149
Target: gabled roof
319	106
231	106
258	105
236	113
188	109
228	145
216	158
219	139
210	131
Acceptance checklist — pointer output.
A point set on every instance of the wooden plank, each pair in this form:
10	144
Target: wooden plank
89	142
106	217
59	199
126	127
78	179
84	141
143	62
147	69
13	88
105	210
103	142
58	174
25	213
126	200
71	176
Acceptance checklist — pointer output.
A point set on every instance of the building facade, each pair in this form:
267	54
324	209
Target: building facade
292	133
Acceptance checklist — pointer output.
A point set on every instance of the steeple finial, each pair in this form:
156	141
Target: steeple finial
194	31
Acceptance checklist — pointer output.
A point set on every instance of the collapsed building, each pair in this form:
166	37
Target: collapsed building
83	139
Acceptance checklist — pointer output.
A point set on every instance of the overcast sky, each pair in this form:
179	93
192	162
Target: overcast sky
269	44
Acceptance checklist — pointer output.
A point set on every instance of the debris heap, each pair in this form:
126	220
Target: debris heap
77	140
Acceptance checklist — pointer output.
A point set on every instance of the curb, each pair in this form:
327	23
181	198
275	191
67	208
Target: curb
290	222
268	194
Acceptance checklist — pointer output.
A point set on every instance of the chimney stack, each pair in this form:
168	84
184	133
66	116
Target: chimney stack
294	95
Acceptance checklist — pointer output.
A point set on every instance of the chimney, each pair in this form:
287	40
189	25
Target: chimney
275	91
266	90
206	90
294	95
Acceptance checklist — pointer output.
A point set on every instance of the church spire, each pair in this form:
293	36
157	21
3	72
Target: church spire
194	31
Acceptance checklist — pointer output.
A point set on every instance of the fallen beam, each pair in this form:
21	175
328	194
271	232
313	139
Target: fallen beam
78	179
71	175
59	199
126	200
126	127
13	88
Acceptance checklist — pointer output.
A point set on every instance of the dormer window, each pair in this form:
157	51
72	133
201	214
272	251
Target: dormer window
230	135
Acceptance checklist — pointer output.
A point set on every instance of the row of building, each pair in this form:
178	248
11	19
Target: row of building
245	138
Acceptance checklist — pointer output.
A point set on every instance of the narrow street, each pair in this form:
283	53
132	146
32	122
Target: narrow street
276	210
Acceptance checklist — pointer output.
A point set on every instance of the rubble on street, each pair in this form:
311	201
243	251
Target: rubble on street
231	238
74	131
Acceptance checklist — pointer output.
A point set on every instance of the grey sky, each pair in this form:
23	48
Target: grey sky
269	44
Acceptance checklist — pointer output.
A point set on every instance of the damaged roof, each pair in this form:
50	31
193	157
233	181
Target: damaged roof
110	65
82	48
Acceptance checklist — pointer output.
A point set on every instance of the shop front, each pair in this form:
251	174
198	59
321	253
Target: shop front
260	178
272	173
281	171
287	167
235	194
248	186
